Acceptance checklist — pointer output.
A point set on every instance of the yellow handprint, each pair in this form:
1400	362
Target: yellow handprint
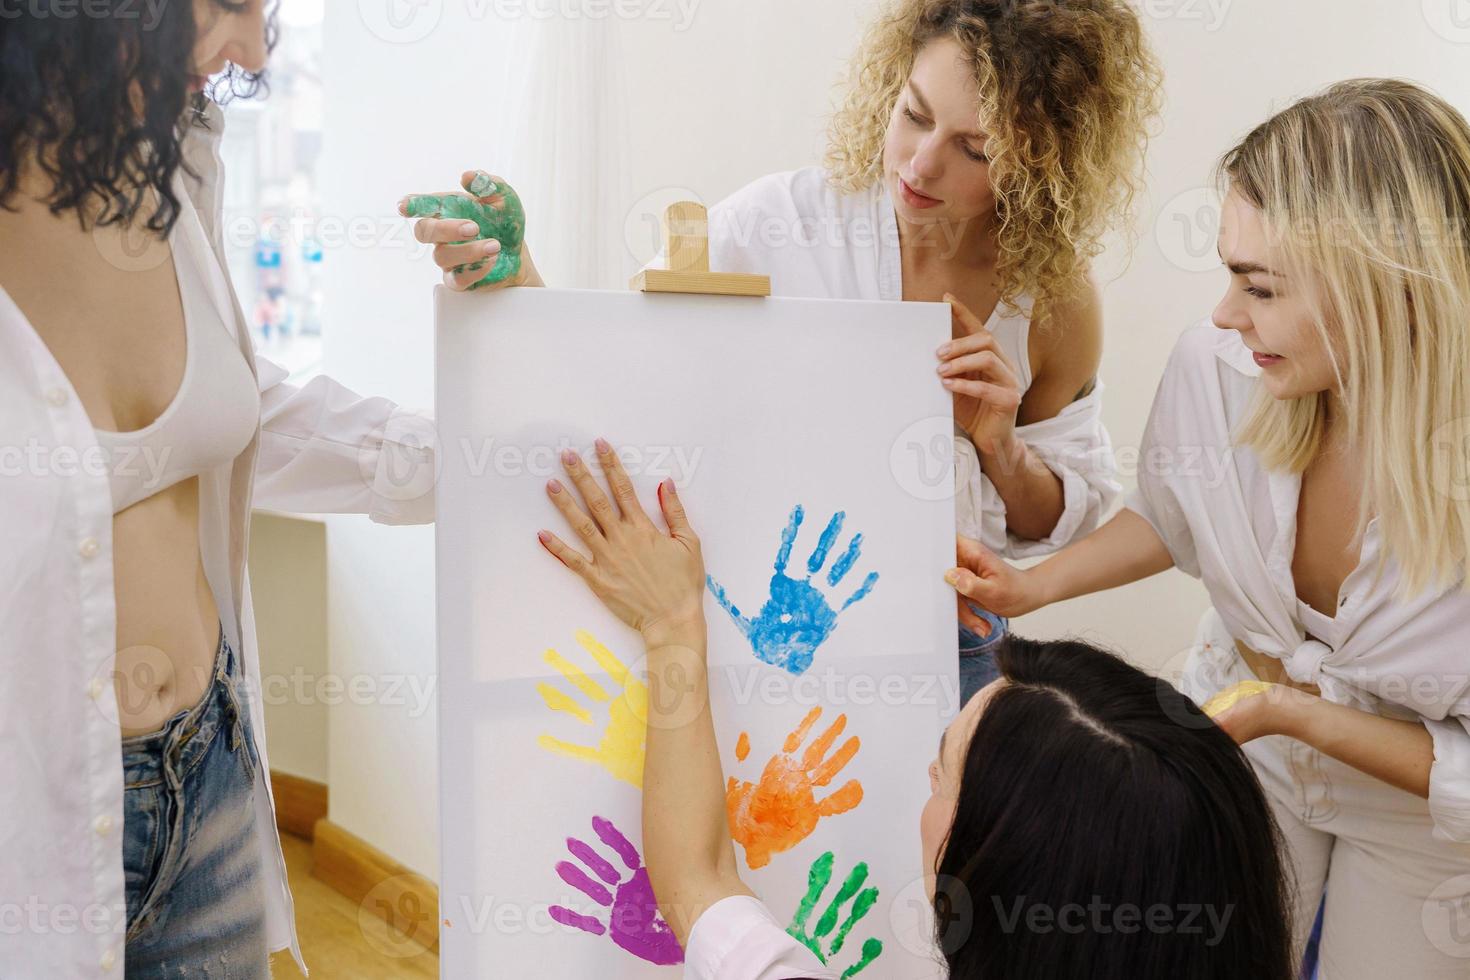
624	738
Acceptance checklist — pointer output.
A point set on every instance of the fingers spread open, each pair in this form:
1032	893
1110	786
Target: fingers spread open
674	515
597	503
585	526
570	557
621	486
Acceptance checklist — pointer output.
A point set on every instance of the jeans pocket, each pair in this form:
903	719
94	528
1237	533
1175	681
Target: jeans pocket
145	837
249	757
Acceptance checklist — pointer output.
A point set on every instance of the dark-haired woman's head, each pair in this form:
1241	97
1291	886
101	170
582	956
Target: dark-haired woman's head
93	106
1088	821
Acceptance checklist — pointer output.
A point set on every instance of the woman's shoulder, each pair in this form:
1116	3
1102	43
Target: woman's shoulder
1202	348
1209	379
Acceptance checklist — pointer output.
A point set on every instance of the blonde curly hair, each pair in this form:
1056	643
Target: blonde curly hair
1068	93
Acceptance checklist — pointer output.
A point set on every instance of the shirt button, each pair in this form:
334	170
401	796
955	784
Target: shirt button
94	689
88	547
108	961
56	396
102	825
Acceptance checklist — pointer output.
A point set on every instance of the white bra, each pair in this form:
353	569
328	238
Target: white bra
216	410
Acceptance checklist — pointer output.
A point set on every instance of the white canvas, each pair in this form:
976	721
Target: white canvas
753	406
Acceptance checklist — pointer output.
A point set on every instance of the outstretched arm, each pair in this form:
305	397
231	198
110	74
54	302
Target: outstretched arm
1399	752
654	581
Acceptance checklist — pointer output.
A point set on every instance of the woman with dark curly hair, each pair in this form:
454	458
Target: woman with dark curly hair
137	430
1085	820
983	150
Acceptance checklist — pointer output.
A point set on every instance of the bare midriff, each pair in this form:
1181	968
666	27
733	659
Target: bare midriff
116	329
167	620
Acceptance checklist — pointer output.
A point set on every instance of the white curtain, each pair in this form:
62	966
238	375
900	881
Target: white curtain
569	154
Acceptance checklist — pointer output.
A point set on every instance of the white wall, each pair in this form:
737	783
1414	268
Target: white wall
741	91
288	578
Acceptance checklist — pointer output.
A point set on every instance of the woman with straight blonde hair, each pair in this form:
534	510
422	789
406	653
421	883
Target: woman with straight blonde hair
1334	547
981	151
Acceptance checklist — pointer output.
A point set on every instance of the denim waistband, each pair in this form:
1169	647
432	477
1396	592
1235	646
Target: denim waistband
172	751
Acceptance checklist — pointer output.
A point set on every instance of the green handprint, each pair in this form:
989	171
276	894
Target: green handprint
818	878
505	224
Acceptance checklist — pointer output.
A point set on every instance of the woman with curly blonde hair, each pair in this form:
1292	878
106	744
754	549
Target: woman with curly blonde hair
983	149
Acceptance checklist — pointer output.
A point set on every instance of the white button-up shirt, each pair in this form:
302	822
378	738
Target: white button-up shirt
1231	523
738	938
816	242
319	449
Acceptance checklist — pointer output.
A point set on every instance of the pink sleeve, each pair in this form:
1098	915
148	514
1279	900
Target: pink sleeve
737	938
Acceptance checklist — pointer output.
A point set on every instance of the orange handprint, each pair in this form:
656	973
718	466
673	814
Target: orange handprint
781	810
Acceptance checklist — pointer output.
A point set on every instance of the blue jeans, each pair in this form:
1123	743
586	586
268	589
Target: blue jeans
977	654
191	861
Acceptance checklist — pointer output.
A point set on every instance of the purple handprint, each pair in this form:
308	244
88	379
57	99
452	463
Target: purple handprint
633	920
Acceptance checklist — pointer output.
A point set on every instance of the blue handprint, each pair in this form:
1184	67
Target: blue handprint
797	618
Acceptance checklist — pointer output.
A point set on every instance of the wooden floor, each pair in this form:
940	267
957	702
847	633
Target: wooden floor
335	941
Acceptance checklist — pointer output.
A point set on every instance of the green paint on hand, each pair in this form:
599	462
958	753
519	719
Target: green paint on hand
506	224
482	184
863	900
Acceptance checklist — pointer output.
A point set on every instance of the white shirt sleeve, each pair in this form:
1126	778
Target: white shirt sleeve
737	938
1074	444
1449	778
324	449
1180	400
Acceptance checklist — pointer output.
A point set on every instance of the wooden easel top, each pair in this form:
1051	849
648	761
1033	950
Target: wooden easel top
686	243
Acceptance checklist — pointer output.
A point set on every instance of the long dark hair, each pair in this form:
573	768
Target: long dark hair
66	85
1107	829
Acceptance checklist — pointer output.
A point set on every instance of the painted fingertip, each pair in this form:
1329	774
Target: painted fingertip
481	184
